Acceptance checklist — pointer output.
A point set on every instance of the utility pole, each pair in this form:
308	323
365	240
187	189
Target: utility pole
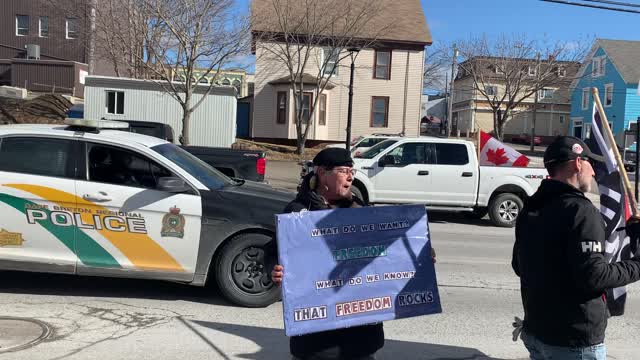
446	93
535	105
351	51
92	36
450	102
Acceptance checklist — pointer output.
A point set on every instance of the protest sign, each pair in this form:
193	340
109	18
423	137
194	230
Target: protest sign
349	267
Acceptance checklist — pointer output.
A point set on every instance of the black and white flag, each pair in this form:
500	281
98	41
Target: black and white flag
614	207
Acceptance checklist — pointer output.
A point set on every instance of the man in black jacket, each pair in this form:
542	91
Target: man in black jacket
559	257
327	187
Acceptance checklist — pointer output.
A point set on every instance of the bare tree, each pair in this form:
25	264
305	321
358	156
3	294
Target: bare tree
511	69
435	67
311	39
180	44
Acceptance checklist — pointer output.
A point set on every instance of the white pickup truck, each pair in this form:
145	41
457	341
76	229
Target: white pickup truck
443	174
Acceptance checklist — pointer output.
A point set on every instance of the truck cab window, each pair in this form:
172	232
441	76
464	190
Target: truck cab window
451	154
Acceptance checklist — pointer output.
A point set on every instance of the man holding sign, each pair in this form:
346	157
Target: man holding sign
329	187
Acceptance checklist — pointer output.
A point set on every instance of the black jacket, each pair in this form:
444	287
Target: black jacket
559	257
357	341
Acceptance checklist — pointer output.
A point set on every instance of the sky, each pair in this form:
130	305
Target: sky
451	20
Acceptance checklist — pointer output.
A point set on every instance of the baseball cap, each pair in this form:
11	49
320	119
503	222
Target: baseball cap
332	157
565	148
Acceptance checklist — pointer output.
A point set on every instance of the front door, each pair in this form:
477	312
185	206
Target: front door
37	231
408	179
149	233
455	177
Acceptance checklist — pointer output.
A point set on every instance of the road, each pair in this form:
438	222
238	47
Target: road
98	318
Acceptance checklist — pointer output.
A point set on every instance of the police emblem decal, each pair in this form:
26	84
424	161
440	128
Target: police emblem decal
173	224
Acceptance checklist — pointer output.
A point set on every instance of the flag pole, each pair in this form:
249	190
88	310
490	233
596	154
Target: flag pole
478	147
616	153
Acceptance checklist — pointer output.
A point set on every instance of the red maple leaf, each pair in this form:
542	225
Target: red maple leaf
497	157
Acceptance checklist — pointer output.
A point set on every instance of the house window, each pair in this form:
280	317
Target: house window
307	101
72	28
330	58
545	93
532	71
382	68
499	70
608	95
281	105
597	66
562	72
115	102
22	25
379	111
585	98
491	90
323	109
226	82
587	131
43	25
562	119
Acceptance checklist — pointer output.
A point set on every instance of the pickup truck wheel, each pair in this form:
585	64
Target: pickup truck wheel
504	209
355	191
243	273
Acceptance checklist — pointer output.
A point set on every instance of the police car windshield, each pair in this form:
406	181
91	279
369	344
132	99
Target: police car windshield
197	168
377	149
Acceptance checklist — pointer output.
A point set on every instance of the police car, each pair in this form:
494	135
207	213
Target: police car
86	198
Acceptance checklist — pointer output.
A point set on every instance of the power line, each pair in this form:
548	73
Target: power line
565	2
610	2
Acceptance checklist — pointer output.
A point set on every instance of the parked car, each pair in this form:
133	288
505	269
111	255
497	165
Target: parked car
235	163
629	157
86	199
443	174
362	143
526	139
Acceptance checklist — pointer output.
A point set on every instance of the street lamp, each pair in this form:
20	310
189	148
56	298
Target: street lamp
353	53
535	104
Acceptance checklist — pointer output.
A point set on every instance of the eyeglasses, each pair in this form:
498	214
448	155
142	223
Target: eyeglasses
345	171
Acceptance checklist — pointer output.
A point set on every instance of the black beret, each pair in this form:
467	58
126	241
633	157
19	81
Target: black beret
332	157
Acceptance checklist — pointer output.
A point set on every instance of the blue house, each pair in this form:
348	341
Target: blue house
613	66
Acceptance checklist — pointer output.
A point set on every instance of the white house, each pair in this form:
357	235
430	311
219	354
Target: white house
213	123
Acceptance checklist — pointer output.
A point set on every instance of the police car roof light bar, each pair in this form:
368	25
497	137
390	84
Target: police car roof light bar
96	124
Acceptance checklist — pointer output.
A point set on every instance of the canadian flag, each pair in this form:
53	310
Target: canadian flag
495	153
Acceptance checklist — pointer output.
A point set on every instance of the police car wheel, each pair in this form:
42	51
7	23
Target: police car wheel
243	273
504	209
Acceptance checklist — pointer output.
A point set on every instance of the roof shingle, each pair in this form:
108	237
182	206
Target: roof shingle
404	19
625	55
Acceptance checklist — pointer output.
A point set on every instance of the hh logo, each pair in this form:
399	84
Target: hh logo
591	246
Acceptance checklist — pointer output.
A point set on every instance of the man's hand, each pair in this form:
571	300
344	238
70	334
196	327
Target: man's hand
433	255
276	274
633	231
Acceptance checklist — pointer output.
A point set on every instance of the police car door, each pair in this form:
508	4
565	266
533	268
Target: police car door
150	233
37	192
